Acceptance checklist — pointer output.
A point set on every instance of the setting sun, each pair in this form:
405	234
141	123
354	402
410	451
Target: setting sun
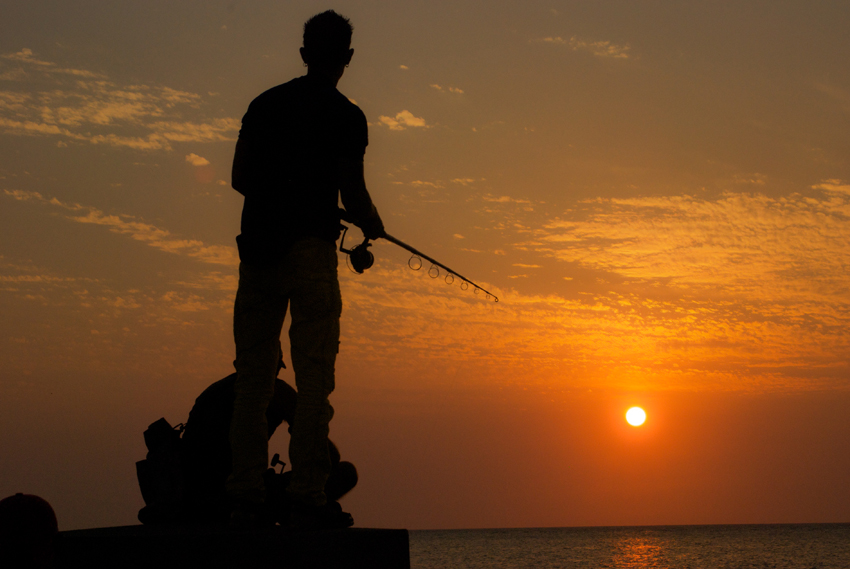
635	416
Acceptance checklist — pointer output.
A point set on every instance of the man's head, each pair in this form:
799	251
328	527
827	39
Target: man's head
28	530
327	42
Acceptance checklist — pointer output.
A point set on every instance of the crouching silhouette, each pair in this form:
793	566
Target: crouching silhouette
183	479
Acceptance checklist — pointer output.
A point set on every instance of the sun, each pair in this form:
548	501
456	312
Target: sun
635	416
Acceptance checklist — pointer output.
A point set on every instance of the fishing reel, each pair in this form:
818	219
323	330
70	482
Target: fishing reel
360	257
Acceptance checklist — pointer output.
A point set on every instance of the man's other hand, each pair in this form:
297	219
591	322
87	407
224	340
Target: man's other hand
356	199
371	225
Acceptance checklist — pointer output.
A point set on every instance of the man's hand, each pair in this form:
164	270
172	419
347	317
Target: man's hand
356	199
372	226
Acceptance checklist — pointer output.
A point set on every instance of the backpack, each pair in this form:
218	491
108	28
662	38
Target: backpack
160	474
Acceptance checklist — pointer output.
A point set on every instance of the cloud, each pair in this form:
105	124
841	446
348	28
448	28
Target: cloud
795	247
597	48
631	337
833	186
13	102
67	322
146	233
403	120
160	140
503	199
442	89
750	179
738	291
15	74
714	325
89	108
27	58
422	183
215	130
196	160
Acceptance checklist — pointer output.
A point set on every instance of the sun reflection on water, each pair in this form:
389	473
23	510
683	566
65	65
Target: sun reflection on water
640	552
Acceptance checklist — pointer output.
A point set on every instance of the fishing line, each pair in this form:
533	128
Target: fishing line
361	259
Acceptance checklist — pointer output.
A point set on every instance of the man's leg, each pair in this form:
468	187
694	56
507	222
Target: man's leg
257	321
316	305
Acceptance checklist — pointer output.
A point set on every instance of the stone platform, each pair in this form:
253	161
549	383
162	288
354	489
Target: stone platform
149	547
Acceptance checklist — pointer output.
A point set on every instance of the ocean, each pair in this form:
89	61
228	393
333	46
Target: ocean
792	546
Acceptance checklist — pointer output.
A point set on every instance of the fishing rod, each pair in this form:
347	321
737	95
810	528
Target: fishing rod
361	259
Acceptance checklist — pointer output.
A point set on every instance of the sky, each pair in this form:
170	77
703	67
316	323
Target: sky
657	192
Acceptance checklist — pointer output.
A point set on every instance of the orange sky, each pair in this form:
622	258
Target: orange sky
658	194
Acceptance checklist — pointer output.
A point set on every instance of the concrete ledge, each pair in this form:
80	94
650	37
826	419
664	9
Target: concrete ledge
148	547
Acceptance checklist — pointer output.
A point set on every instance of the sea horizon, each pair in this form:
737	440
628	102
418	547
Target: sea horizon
778	546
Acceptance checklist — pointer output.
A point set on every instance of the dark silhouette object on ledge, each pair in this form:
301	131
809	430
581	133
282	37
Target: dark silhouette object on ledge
183	477
28	532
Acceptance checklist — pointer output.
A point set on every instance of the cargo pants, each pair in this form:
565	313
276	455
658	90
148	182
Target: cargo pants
306	283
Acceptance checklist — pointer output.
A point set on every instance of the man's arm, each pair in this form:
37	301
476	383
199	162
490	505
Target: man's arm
239	173
356	198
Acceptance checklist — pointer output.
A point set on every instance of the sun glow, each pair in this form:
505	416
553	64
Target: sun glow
635	416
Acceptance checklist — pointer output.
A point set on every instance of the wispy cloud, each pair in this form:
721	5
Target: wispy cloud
447	89
504	199
632	336
674	305
742	290
793	247
833	186
597	48
95	324
87	107
423	183
147	233
196	160
25	58
403	120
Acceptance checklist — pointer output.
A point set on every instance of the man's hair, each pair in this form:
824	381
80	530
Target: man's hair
327	38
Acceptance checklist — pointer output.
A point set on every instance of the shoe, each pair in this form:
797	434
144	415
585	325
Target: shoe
329	516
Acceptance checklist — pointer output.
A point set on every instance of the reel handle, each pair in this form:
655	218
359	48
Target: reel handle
276	460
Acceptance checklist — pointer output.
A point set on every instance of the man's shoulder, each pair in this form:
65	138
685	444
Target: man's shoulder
352	108
303	87
278	93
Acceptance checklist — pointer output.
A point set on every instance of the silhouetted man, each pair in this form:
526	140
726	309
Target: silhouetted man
28	531
300	149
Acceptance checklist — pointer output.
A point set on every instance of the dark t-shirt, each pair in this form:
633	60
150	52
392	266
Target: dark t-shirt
293	137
